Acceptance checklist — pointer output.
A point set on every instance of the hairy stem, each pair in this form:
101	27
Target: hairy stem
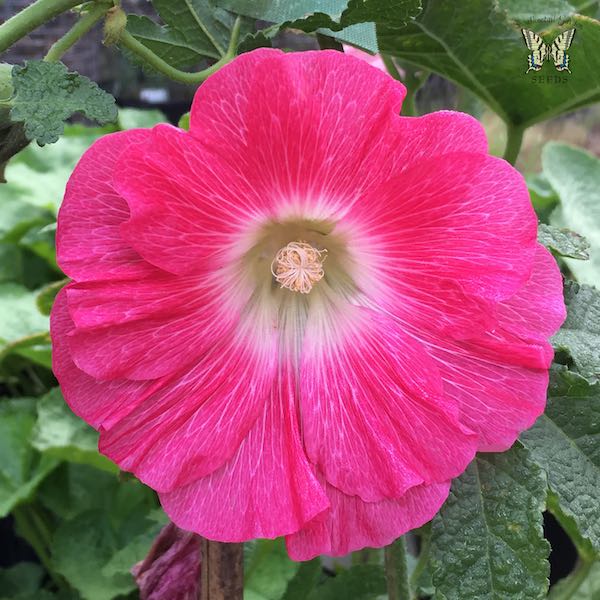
83	25
514	139
30	18
396	570
129	42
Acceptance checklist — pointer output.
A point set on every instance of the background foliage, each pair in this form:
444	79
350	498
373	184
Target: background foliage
87	523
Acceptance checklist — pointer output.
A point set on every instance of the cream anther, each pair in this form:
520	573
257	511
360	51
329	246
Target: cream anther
298	266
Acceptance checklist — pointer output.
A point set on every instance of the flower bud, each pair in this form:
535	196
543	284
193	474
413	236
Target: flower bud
114	25
6	92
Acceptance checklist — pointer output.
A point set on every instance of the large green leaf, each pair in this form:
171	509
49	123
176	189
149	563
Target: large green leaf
349	21
47	94
487	541
575	175
580	333
59	433
268	570
304	581
75	488
106	526
476	45
537	10
21	581
38	175
133	118
565	442
85	545
563	242
335	14
21	324
361	582
21	467
18	217
578	587
11	262
193	30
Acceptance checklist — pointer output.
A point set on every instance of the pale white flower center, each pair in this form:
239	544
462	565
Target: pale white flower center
298	266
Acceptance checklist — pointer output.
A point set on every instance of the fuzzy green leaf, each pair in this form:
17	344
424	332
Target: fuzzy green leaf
576	587
21	324
563	242
575	175
59	433
133	118
106	526
351	21
361	582
21	581
532	11
334	14
47	94
18	217
475	44
304	581
580	333
38	175
268	570
487	541
193	30
565	442
21	467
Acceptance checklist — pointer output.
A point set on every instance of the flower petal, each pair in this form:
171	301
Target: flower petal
88	240
100	403
266	490
537	309
373	416
461	217
280	118
352	524
436	134
188	207
149	328
100	303
500	379
196	422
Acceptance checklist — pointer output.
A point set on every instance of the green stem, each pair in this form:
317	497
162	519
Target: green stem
83	25
396	570
391	67
423	555
573	582
27	528
31	17
514	139
412	82
129	42
30	340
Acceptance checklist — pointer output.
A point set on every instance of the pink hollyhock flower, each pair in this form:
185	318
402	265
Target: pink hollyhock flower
302	317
